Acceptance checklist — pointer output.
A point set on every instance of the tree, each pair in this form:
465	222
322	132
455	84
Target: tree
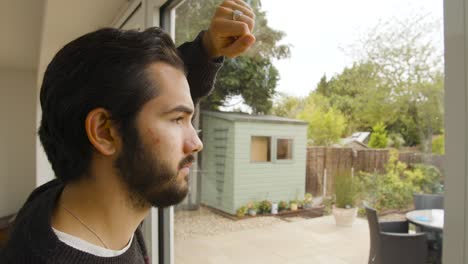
408	58
253	76
287	106
360	94
378	137
326	124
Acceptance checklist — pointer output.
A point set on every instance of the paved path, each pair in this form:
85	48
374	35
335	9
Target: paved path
316	241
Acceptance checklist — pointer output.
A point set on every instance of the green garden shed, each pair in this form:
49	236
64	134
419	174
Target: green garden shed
251	158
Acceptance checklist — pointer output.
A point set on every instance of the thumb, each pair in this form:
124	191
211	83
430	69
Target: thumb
240	46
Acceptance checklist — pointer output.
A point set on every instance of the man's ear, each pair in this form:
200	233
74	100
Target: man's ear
102	132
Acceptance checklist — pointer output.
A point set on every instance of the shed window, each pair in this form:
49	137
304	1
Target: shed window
260	149
284	149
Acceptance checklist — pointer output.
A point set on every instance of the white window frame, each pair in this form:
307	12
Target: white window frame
455	248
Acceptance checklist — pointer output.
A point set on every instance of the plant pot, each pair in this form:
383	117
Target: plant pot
252	212
274	208
343	216
308	205
293	206
316	201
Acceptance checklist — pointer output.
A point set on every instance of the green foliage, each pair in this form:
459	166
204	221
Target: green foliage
287	106
408	59
347	190
326	125
253	76
358	93
308	198
378	137
395	140
397	79
438	145
241	211
264	207
430	182
394	189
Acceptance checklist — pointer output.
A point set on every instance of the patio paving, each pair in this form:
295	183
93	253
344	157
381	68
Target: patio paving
316	240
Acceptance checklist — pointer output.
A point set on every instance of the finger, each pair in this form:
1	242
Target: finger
234	6
227	13
241	2
239	46
230	28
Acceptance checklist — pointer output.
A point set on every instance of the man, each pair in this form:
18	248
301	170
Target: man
116	128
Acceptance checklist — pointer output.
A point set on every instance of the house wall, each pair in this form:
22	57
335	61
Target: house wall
274	181
64	21
17	138
217	163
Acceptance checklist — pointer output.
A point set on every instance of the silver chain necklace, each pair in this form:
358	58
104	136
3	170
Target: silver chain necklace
85	225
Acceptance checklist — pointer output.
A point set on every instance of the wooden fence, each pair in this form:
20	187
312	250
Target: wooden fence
323	165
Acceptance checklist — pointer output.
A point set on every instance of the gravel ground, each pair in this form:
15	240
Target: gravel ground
204	222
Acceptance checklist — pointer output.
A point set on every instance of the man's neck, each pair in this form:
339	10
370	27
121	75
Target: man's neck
101	204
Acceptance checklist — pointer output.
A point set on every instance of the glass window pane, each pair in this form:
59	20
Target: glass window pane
284	149
368	83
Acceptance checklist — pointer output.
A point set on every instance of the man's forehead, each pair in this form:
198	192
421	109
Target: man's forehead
173	89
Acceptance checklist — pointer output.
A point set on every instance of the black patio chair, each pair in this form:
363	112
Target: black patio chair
428	201
390	242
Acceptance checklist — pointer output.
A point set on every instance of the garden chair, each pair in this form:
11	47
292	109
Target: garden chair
428	201
391	243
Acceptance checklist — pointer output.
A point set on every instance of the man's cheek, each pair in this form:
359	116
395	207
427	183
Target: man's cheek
156	140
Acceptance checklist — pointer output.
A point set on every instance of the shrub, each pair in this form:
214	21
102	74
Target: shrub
431	180
394	189
378	137
241	211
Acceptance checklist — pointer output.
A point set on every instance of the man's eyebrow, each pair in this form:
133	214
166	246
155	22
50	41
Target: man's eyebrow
180	108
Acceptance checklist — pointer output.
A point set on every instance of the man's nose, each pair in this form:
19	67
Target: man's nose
192	145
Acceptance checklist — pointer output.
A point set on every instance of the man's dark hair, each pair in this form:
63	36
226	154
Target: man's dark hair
106	68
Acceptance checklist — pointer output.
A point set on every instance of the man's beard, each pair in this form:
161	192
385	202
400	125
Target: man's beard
149	179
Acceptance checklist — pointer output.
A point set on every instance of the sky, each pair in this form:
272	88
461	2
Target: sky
318	30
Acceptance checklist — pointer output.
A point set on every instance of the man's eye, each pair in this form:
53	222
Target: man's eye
177	120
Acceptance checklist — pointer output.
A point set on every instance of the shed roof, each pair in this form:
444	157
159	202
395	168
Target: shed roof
237	116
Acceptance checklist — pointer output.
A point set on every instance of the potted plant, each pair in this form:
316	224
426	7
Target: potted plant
264	207
252	208
307	201
282	206
293	205
274	208
241	211
346	194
